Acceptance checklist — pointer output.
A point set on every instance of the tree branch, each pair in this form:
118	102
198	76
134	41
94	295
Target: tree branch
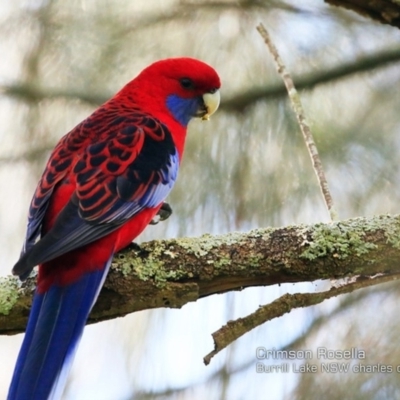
233	330
174	272
304	126
384	11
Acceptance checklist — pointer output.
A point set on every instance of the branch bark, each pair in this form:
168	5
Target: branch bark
384	11
174	272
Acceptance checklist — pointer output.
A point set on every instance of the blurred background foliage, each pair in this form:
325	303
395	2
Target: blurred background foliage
246	168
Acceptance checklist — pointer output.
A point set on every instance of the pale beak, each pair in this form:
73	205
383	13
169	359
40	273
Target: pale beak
211	102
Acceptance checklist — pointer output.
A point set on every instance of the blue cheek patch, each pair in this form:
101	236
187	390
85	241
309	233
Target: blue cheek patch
183	109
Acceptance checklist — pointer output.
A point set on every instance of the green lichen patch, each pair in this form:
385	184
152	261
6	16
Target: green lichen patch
254	261
221	262
341	239
201	246
149	268
388	224
263	233
122	263
391	228
8	294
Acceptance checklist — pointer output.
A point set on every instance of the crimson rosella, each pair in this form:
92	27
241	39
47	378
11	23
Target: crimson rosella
103	184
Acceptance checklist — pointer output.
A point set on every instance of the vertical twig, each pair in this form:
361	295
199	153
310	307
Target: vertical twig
305	129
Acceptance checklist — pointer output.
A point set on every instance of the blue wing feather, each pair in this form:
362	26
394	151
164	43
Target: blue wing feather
35	223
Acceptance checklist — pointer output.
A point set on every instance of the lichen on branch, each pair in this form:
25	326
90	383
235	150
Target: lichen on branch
171	273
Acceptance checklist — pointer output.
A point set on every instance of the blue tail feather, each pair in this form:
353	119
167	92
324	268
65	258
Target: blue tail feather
55	326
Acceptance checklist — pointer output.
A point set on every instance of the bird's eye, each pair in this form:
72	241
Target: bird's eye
187	83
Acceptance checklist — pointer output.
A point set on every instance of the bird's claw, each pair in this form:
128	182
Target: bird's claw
133	247
164	213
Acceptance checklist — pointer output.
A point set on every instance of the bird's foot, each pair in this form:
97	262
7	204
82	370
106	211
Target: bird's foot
163	213
133	247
